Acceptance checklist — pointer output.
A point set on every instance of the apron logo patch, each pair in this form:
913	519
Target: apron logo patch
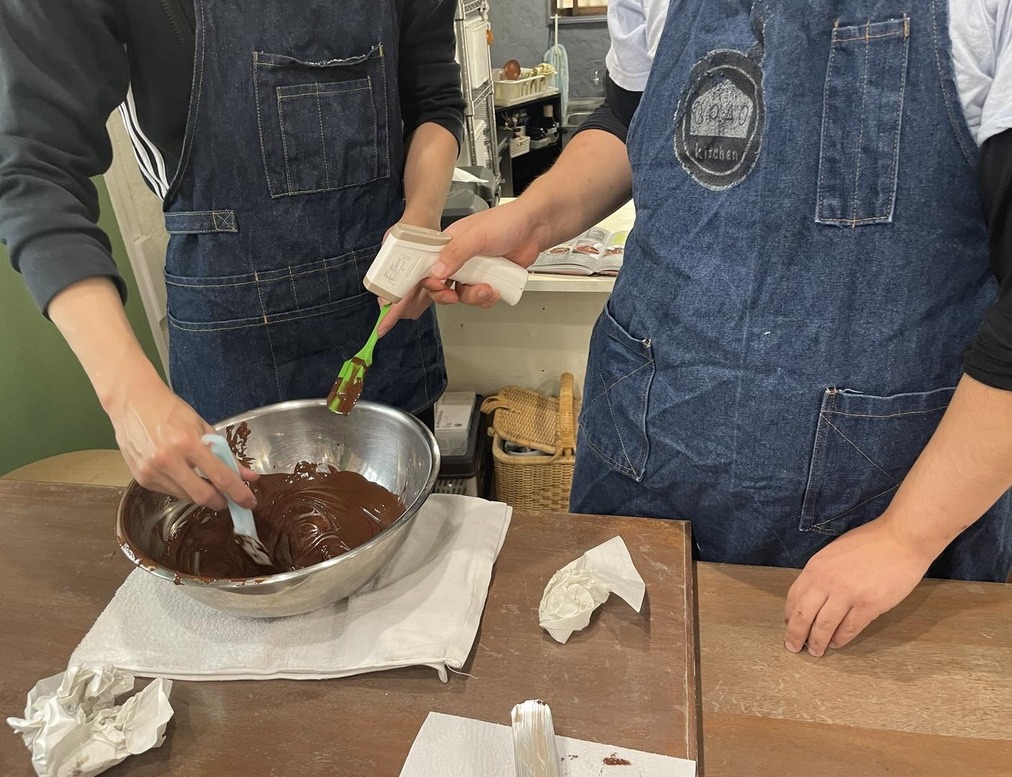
719	123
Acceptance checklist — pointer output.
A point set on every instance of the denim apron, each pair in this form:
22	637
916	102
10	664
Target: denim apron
289	177
809	262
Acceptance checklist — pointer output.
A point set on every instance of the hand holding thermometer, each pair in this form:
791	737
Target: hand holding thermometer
408	254
402	263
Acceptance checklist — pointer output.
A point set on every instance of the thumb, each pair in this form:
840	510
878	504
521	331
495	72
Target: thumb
464	244
397	311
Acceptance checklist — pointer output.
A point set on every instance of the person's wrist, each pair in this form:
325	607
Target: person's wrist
126	378
535	213
917	533
419	216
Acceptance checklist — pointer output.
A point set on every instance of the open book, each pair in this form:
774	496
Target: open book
596	252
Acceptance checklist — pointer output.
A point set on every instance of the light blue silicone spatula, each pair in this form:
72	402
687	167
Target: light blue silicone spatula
242	518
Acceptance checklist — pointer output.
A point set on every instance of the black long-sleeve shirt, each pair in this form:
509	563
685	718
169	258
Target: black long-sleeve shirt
989	358
66	65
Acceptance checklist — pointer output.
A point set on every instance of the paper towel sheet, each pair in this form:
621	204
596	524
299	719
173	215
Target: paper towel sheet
462	176
422	610
448	746
583	585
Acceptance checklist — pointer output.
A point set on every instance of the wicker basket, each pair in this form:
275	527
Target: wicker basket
542	423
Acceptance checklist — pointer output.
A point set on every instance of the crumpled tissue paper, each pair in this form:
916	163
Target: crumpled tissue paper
74	728
580	587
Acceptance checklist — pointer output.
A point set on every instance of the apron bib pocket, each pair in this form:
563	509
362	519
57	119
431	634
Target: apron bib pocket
613	421
864	447
862	111
323	125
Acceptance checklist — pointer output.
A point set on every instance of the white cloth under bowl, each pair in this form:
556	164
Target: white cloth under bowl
422	610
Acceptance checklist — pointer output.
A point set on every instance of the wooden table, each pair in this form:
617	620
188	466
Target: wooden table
624	681
926	692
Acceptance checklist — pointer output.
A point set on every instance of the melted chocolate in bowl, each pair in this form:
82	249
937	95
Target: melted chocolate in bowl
311	515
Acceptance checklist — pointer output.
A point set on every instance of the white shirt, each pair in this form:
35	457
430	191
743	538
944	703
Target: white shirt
981	33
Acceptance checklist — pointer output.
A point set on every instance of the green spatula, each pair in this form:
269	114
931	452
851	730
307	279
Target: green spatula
348	386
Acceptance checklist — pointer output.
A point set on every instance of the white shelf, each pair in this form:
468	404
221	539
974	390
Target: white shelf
469	7
600	284
531	98
479	94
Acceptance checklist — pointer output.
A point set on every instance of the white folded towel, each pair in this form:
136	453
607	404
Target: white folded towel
422	610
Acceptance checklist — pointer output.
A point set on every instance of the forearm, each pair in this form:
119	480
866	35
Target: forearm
428	170
91	318
964	469
591	180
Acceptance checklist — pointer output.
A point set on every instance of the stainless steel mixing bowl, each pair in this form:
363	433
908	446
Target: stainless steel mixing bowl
385	445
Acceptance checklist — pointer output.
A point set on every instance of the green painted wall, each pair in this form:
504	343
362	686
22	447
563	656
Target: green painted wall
47	405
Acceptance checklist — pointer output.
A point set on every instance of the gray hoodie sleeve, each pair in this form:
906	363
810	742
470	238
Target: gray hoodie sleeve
63	70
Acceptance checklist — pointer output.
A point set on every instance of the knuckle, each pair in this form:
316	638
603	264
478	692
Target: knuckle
222	480
179	440
205	495
147	475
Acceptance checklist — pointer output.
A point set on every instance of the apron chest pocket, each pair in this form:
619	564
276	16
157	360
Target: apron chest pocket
864	447
862	111
613	421
323	125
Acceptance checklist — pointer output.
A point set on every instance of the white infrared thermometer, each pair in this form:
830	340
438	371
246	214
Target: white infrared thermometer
409	253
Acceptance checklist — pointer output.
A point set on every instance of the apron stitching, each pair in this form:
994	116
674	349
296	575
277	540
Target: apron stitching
825	118
644	344
856	222
618	466
323	141
863	454
608	388
260	128
334	188
888	415
251	323
284	143
822	525
899	123
860	134
270	340
295	294
382	166
618	433
326	277
376	122
867	37
817	463
318	91
274	276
